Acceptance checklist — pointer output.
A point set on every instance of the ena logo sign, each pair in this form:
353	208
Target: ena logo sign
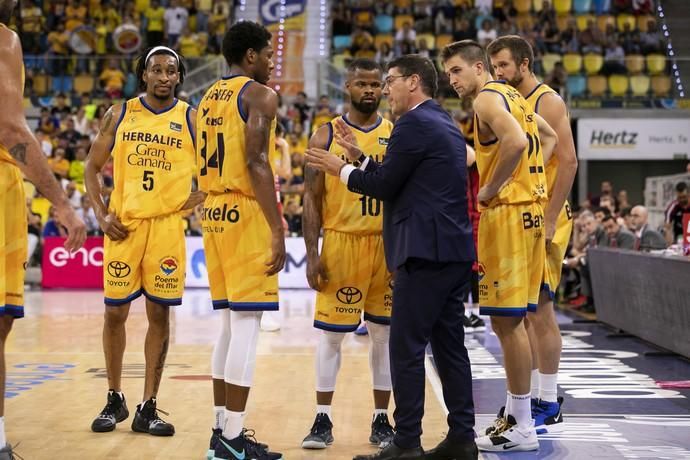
59	257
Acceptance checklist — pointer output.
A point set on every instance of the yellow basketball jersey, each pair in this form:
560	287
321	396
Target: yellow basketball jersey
154	160
349	212
4	153
528	183
221	152
533	100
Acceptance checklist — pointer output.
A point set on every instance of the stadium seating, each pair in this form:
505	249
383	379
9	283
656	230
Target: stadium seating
596	85
562	6
618	85
634	63
582	6
656	64
640	85
593	63
661	85
577	85
572	62
549	60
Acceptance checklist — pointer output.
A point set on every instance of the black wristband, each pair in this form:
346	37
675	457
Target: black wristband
358	162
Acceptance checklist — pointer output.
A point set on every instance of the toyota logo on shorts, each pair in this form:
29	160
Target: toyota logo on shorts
118	269
349	295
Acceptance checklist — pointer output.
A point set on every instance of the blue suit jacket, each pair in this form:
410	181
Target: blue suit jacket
423	184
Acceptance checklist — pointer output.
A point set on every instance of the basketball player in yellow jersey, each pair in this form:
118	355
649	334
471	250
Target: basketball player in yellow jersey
350	274
511	143
151	140
512	58
20	153
244	239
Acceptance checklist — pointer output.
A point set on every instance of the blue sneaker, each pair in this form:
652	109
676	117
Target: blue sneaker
362	330
548	417
243	447
215	437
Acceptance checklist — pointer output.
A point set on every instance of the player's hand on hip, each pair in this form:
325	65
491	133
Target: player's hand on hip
324	161
113	228
317	276
195	198
277	261
76	229
345	138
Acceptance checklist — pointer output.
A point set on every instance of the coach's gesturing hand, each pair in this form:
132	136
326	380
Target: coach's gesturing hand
112	227
324	161
345	138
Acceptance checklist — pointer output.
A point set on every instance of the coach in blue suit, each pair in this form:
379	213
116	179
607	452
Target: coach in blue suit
428	244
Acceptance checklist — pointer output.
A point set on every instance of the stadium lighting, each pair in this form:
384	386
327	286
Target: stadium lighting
671	53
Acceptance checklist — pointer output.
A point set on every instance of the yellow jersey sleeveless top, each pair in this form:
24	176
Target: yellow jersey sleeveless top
4	152
221	150
528	183
533	99
154	160
343	210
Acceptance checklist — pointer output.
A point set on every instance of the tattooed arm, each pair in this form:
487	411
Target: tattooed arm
314	184
20	142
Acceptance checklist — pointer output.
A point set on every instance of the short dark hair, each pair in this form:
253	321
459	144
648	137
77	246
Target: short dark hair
681	187
414	64
363	64
468	50
605	211
141	66
519	48
609	217
244	36
625	212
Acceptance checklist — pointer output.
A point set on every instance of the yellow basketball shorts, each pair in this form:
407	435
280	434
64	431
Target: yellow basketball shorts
237	244
511	258
553	268
13	241
358	281
150	261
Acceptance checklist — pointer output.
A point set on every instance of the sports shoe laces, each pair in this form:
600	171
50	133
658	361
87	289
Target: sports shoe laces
382	426
252	445
111	407
321	424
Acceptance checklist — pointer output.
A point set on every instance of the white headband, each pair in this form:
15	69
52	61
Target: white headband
161	48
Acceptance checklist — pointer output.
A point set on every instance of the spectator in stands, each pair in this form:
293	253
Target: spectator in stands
570	38
606	190
487	33
59	164
591	39
280	159
81	121
464	30
551	38
443	19
629	40
73	194
406	35
57	53
381	8
293	216
673	227
113	79
56	13
203	13
363	15
650	40
60	107
44	140
76	167
53	226
422	12
622	200
176	18
484	6
301	107
547	13
155	23
112	21
341	20
621	6
647	239
69	134
424	49
189	44
323	113
618	236
642	6
600	212
384	55
507	28
218	25
614	59
32	26
625	218
558	78
75	15
297	139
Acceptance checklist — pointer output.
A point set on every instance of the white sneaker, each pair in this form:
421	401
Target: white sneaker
268	324
510	438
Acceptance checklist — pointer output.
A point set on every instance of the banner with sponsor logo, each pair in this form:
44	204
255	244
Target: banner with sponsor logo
80	269
633	138
287	21
84	268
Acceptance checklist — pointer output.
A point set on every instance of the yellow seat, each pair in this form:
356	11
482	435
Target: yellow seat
402	19
596	85
443	40
339	60
383	38
430	40
572	63
525	21
593	63
639	85
523	6
84	84
656	63
622	19
618	85
643	20
549	60
634	63
562	6
661	85
562	21
583	19
41	84
605	20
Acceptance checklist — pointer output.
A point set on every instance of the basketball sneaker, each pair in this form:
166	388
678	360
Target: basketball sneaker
114	412
548	417
500	418
473	323
146	420
381	431
321	434
243	447
509	438
215	437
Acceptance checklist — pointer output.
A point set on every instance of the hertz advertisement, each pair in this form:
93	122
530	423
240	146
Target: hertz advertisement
633	139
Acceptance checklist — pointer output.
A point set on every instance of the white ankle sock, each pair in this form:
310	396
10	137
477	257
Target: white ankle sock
234	422
534	383
507	411
3	438
380	411
323	409
521	409
548	387
219	417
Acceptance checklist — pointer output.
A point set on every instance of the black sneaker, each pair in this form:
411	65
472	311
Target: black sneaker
6	453
321	434
114	412
381	431
243	447
215	437
473	323
146	420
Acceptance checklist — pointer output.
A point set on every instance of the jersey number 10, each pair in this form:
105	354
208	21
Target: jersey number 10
217	158
370	206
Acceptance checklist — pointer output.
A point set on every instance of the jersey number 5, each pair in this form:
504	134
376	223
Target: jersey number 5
147	181
217	158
